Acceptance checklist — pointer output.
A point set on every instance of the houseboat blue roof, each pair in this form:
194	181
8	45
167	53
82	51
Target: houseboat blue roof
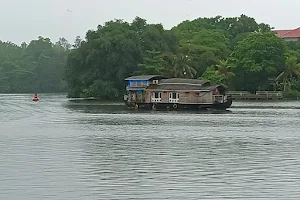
143	78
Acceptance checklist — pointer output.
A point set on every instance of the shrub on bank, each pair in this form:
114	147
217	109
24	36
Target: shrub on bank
292	94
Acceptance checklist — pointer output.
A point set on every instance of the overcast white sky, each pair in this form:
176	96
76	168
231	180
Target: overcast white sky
24	20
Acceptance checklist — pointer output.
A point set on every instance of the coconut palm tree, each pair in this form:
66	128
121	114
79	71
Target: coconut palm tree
291	69
181	67
224	69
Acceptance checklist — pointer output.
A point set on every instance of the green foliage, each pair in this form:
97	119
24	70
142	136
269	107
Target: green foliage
36	67
219	74
113	52
259	52
110	54
258	57
224	69
101	89
294	46
291	70
231	27
234	42
291	94
210	74
181	67
205	48
236	51
153	63
208	40
119	49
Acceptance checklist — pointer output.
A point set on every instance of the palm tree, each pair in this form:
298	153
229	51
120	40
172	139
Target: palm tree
224	69
182	68
291	69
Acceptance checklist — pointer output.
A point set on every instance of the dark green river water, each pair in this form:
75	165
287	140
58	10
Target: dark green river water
59	149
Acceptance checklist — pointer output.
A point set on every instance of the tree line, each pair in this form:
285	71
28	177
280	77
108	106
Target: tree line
238	52
35	67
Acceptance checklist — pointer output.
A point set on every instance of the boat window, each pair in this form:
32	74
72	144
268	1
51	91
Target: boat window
145	83
156	95
133	84
139	84
174	95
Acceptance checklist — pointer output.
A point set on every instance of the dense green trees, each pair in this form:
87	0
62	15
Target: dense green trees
257	58
237	51
291	70
36	67
113	52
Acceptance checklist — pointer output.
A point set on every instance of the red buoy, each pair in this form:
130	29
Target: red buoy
35	98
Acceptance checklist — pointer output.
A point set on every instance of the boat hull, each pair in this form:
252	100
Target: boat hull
172	106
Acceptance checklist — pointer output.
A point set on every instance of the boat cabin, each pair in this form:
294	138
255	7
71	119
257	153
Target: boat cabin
136	86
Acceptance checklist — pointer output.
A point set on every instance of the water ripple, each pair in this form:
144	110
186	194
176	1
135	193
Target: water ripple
56	149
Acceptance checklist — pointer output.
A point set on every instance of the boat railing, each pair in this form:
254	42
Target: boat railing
238	93
173	100
156	100
219	98
270	93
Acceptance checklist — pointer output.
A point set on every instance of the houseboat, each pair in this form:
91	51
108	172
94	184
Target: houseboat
157	92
